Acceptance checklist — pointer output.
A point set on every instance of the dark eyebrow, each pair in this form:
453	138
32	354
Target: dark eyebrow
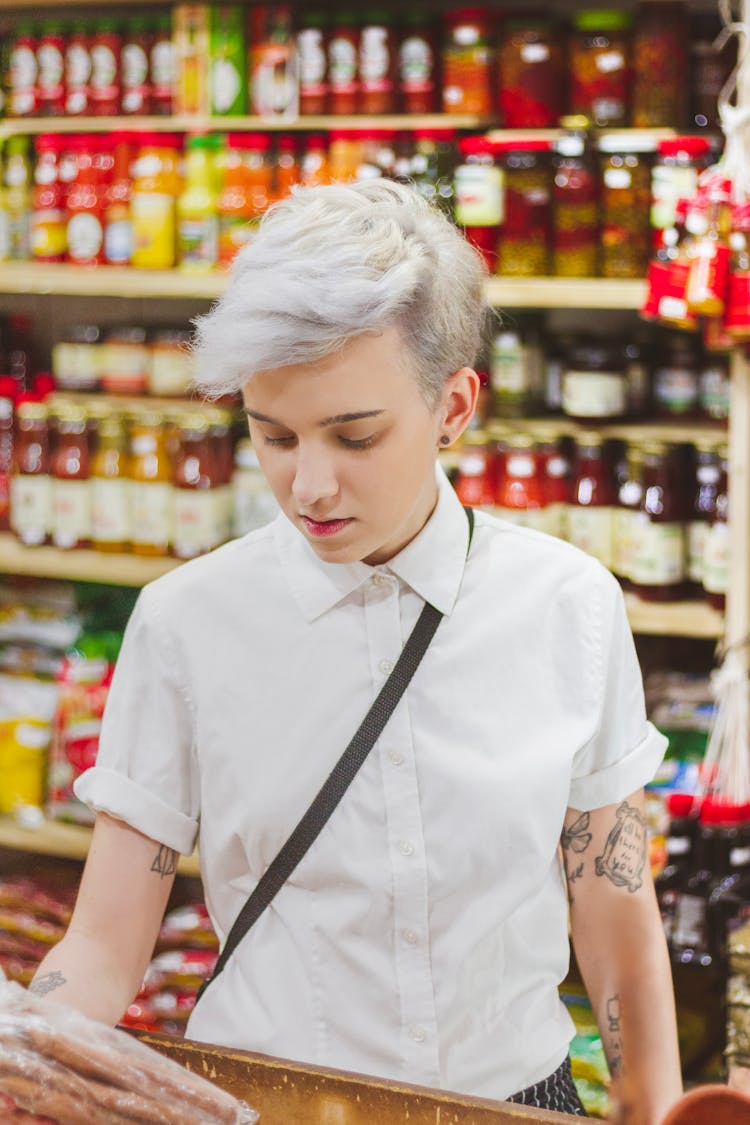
336	420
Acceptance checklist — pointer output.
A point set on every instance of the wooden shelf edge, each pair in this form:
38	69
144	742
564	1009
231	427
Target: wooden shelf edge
79	565
565	293
65	841
675	619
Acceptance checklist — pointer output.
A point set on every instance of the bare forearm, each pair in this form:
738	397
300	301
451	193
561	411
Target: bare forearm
79	973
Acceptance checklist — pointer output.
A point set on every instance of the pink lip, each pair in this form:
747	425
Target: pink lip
324	528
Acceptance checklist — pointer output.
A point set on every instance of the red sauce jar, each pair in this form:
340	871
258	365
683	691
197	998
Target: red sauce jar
591	516
23	73
50	71
475	482
106	45
312	46
600	66
162	66
77	71
378	62
659	561
418	59
71	489
479	196
85	206
47	235
468	61
343	65
531	74
136	76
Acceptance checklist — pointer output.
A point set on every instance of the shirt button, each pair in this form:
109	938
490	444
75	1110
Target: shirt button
396	757
379	580
386	667
406	847
418	1034
411	937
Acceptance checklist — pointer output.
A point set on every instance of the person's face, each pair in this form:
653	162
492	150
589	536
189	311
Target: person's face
348	445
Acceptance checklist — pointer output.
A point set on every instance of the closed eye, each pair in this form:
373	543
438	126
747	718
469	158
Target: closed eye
360	443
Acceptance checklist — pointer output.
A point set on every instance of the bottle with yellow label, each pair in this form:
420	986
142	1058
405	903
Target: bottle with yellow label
152	202
197	212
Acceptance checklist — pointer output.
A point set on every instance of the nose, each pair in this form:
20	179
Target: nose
314	477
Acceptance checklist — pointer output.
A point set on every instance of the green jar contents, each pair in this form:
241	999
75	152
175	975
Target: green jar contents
600	66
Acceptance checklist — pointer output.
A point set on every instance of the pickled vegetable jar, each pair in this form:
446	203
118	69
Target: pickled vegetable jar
524	246
659	64
625	203
575	206
468	61
531	74
600	66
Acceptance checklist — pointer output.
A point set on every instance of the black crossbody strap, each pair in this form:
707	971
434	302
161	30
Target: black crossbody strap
337	782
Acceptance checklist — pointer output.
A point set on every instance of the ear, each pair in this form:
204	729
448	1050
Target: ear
458	403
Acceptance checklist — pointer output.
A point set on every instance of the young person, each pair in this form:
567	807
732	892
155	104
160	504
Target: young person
425	933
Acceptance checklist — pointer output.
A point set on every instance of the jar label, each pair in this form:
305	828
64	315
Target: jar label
697	535
163	66
195	522
51	69
520	465
617	178
509	373
716	559
103	70
85	237
678	845
624	542
667	186
31	507
610	61
77	68
538	519
47	235
675	388
152	508
592	530
118	242
374	59
690	921
111	519
134	66
226	85
342	64
171	371
153	218
659	558
416	64
76	366
71	512
479	196
594	394
312	61
198	240
534	52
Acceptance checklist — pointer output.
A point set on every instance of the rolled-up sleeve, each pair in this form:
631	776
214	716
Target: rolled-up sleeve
145	773
626	749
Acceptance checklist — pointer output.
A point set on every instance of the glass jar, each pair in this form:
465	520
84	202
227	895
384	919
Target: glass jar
378	62
629	499
312	48
77	70
592	511
575	209
713	387
468	61
475	480
219	422
594	387
520	495
152	201
600	66
126	361
253	503
516	372
417	63
524	243
111	525
625	201
151	491
71	487
660	64
171	369
674	175
659	569
196	528
676	377
76	359
531	74
51	71
716	548
105	90
478	188
703	507
343	69
31	484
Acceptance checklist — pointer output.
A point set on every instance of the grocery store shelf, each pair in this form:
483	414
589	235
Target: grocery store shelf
79	566
674	619
116	281
66	841
191	123
565	293
553	426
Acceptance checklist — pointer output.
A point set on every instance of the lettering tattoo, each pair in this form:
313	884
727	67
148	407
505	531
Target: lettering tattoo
614	1040
575	838
626	850
165	862
47	983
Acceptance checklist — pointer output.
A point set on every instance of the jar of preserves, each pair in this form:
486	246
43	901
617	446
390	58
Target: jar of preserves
660	62
676	377
475	481
556	483
592	512
378	63
625	201
77	70
659	569
702	508
594	387
31	484
600	66
76	358
531	74
418	63
111	516
516	371
343	59
312	47
575	209
71	487
479	196
524	244
716	547
219	422
152	494
125	361
23	72
520	496
50	71
171	368
106	45
468	61
196	524
629	500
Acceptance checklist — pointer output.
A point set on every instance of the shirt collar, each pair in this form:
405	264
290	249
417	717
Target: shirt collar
432	564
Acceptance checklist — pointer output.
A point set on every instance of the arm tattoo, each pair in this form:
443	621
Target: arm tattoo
626	850
165	862
614	1042
47	983
576	839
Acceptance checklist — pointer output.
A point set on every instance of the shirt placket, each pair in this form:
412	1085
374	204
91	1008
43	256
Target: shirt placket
406	848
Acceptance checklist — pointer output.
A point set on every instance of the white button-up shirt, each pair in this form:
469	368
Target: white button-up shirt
424	935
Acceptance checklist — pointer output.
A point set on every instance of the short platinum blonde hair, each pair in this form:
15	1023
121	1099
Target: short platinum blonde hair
331	263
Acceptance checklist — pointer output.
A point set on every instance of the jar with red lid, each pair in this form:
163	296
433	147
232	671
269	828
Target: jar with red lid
343	64
136	79
531	74
312	48
468	61
77	70
625	199
575	209
475	481
50	59
418	59
600	66
47	236
378	62
660	61
23	72
591	515
106	45
659	561
524	245
520	496
479	196
85	206
678	164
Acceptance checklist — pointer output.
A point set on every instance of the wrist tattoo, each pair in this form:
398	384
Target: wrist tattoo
165	862
47	983
613	1039
626	850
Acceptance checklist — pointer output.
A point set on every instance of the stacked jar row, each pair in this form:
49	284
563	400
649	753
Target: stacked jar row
527	71
654	514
